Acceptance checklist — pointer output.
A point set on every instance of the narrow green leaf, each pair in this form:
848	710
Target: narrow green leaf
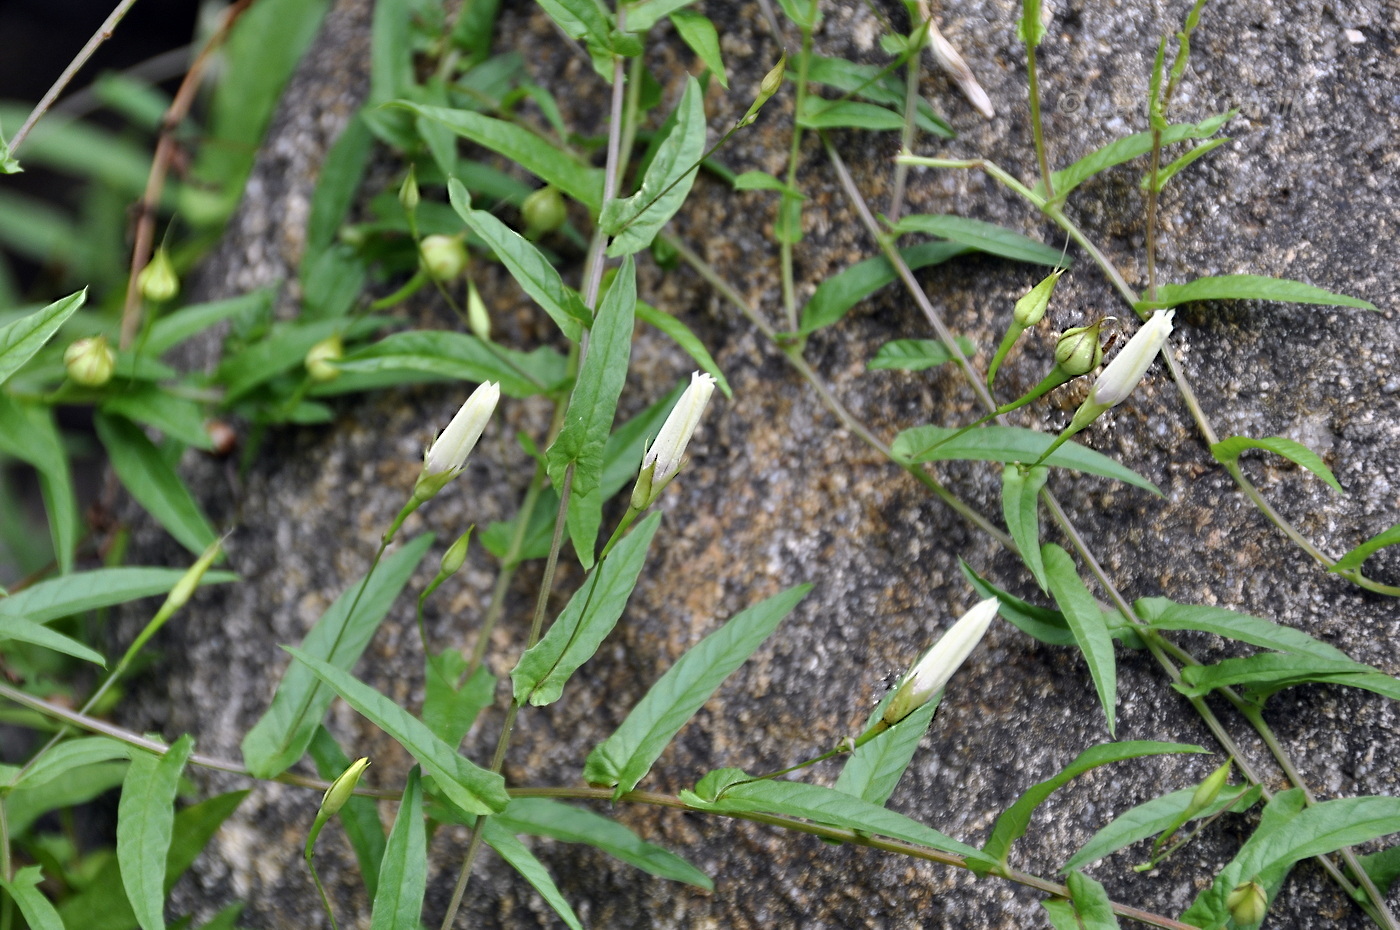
1268	672
1228	451
1060	913
1166	174
585	621
25	806
762	181
403	877
1249	287
916	354
282	349
526	264
1209	910
174	328
1086	620
642	16
1020	505
583	521
154	484
847	114
33	906
145	824
699	33
836	295
177	417
70	755
985	237
471	788
103	587
1041	623
681	335
1154	816
832	807
27	631
1012	823
594	400
625	757
1383	868
872	771
877	84
342	169
28	433
450	710
804	13
390	51
636	220
280	737
460	357
1091	902
580	19
523	861
531	152
103	905
1163	614
24	337
1354	559
1009	444
1126	149
569	824
360	815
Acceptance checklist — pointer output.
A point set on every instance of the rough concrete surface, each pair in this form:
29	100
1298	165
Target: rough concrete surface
777	493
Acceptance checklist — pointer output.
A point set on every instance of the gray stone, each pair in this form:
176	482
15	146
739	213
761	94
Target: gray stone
777	493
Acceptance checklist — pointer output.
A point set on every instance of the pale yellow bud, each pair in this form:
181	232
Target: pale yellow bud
90	362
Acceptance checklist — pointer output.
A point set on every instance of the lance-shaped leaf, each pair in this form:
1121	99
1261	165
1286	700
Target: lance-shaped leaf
1087	622
681	335
27	631
278	739
1126	149
150	479
916	354
1014	821
145	824
1154	816
103	587
24	337
872	771
835	296
523	861
70	755
462	357
1020	505
1249	287
526	264
585	621
834	808
700	34
1227	451
470	787
624	758
1088	907
36	909
635	221
1009	444
1041	623
569	824
983	236
1163	614
403	876
1268	672
593	403
28	433
1354	559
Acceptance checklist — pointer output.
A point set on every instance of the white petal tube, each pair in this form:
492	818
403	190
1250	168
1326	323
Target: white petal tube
449	451
1117	381
668	449
932	671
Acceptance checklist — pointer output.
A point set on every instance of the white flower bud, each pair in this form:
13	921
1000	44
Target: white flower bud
1130	364
664	458
444	257
321	358
90	362
940	662
448	453
1247	903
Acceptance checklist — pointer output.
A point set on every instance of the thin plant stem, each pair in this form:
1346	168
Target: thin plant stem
794	157
912	71
325	901
1037	129
7	914
103	33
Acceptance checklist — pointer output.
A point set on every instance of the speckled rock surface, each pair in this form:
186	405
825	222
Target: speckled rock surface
778	494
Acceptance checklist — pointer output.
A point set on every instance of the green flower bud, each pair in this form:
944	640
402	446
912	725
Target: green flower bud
455	555
1208	790
1078	350
1031	308
157	280
444	257
543	211
408	191
1247	903
90	362
342	788
478	319
769	86
321	357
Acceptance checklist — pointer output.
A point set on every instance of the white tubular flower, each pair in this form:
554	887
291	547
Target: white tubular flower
448	453
943	659
1130	364
664	458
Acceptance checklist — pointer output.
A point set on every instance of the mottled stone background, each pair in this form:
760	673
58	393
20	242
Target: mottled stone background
776	494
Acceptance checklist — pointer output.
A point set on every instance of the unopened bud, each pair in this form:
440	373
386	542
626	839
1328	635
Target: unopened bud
1247	903
543	211
1130	364
408	190
478	319
1078	350
445	257
343	787
455	555
664	457
321	357
448	453
1208	790
90	362
1031	308
157	280
769	86
932	671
